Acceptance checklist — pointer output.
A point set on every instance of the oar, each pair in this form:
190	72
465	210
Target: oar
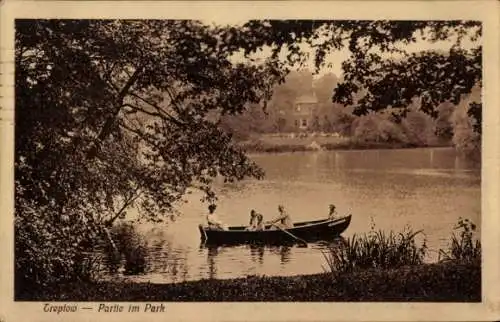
291	235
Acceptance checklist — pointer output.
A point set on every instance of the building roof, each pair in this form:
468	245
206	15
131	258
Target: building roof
306	99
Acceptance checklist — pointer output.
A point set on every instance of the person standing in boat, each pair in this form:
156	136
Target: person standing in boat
212	220
283	221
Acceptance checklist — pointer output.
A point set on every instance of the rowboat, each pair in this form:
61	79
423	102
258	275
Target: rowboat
324	229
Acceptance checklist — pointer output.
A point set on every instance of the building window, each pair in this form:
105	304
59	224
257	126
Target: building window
304	123
297	123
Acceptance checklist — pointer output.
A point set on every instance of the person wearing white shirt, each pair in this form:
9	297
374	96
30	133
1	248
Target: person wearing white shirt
212	220
283	221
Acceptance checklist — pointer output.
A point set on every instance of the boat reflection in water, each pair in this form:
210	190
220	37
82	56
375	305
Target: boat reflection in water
257	252
221	258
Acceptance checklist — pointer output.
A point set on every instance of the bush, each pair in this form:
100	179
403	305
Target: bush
377	128
419	128
376	250
48	254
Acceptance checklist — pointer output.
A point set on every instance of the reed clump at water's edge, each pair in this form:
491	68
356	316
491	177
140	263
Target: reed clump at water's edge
380	250
463	248
376	250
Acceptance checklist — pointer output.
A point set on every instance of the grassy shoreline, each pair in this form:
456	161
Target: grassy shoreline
438	282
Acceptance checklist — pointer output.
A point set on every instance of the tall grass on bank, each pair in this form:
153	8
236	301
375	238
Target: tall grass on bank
463	248
376	250
380	250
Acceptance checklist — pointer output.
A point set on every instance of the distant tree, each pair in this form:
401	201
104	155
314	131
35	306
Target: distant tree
341	121
281	124
464	136
466	129
365	128
377	128
326	124
324	87
316	125
444	125
419	128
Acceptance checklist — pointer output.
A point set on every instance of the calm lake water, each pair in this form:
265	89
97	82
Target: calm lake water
426	189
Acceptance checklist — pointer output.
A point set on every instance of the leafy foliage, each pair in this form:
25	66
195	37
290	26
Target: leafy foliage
114	114
375	127
444	126
381	75
434	76
465	135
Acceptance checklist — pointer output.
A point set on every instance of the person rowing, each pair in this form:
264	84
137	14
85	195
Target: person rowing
283	221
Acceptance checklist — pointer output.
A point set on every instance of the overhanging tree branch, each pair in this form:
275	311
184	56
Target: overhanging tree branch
133	196
161	111
106	129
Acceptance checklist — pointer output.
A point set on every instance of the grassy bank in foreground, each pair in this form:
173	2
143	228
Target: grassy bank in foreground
446	282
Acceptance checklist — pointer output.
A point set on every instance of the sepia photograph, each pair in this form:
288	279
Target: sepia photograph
246	160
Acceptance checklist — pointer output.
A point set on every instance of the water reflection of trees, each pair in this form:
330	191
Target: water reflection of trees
165	257
161	256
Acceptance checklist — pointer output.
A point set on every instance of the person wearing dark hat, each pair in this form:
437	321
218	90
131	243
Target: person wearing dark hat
212	220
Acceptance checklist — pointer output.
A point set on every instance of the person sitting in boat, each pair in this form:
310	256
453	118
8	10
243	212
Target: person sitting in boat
213	222
333	212
256	221
283	221
260	222
253	220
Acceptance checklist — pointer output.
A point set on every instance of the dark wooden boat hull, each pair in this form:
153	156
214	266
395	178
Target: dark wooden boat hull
309	231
